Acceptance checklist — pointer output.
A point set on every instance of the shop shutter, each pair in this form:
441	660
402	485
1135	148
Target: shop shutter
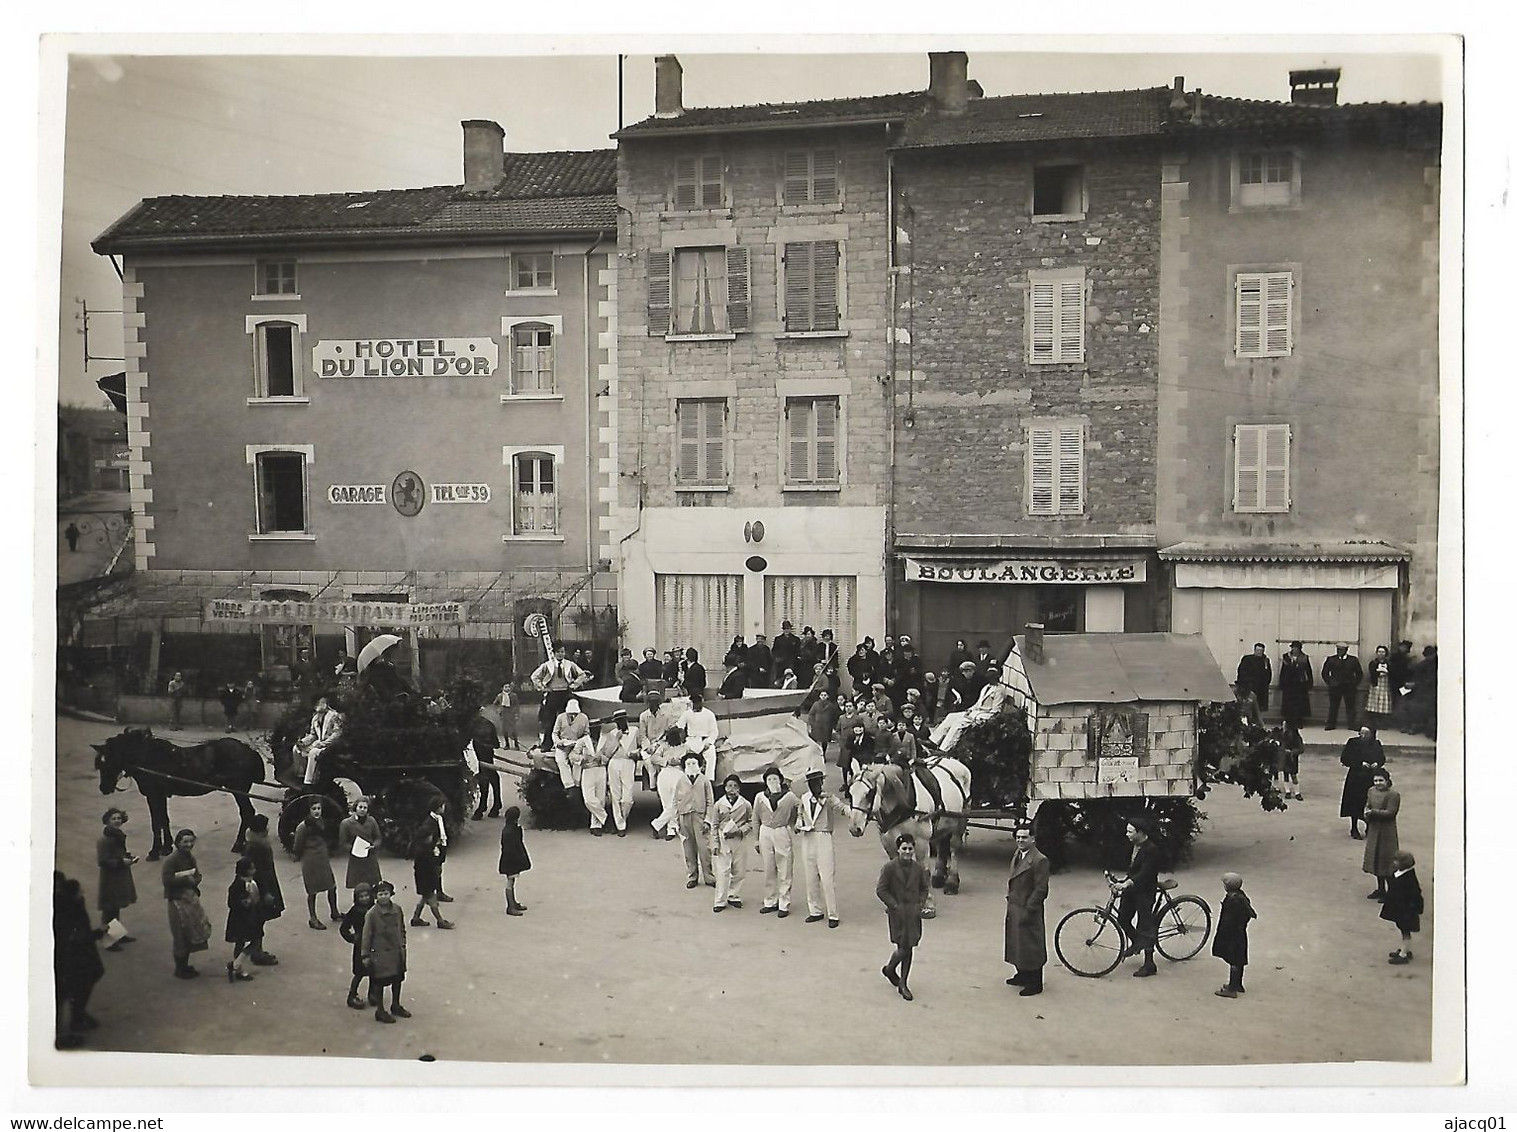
823	601
700	611
737	288
658	292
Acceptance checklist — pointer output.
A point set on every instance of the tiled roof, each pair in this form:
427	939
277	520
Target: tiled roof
1268	550
1102	668
780	115
1043	117
1258	114
538	192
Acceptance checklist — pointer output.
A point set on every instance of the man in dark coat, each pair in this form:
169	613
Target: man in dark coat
1255	674
760	663
1361	755
651	667
829	662
1026	892
787	646
908	672
963	688
1400	670
808	656
1342	674
862	669
1139	892
1295	685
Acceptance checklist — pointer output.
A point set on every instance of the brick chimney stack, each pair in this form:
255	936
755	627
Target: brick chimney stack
1316	88
484	155
668	87
1179	105
1034	642
948	81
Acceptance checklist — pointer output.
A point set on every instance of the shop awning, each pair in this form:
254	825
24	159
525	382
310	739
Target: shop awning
1270	550
1125	668
979	543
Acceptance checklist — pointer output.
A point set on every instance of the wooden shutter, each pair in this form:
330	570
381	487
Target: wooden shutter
737	288
797	186
688	424
1246	467
798	414
711	195
1040	475
1071	344
798	292
1071	470
824	285
825	411
1277	314
686	194
1044	301
658	292
713	441
824	176
1275	467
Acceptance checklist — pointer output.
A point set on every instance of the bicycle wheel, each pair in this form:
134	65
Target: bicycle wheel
1089	942
1184	926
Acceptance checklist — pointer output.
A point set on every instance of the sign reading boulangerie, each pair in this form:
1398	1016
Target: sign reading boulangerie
1030	571
406	357
387	613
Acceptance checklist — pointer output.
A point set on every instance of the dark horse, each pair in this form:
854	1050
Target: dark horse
163	770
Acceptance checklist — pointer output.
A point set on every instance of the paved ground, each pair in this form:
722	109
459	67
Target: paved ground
617	962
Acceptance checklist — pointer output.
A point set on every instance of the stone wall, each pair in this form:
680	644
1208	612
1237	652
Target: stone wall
1063	768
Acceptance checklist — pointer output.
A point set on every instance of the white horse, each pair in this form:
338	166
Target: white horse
887	794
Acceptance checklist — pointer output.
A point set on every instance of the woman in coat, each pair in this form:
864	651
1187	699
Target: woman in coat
903	888
310	848
1026	892
244	918
189	928
1380	809
382	943
513	857
360	823
1403	904
117	889
261	852
1361	756
822	720
76	961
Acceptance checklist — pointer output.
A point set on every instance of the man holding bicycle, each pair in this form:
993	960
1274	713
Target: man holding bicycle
1139	894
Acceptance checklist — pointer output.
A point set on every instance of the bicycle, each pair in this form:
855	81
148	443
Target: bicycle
1092	941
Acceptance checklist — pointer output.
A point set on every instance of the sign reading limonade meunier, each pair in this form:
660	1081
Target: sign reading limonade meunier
386	613
405	357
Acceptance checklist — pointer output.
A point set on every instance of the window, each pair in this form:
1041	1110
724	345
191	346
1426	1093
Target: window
276	346
1266	179
698	182
811	441
1058	192
811	286
1264	314
702	448
532	358
1056	468
1261	468
535	506
532	271
811	177
1056	318
697	291
275	277
281	489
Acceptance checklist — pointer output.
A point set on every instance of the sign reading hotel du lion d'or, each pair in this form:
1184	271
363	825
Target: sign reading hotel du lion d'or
405	357
1029	571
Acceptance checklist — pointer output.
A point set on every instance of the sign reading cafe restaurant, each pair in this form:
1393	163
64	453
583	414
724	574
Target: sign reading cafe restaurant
406	357
387	613
1030	571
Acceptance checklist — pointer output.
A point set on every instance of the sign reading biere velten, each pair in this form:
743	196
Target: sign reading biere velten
386	613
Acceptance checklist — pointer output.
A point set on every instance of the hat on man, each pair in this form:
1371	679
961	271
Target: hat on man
905	640
619	713
653	695
966	665
786	625
816	776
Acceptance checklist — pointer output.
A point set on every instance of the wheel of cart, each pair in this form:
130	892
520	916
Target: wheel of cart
297	806
1091	941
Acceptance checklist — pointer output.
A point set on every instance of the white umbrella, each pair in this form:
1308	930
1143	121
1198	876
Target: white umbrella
375	648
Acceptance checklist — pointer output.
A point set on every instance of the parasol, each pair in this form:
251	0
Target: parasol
375	648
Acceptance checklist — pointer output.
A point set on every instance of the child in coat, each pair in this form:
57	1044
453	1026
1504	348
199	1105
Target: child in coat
1403	903
352	931
513	857
1231	941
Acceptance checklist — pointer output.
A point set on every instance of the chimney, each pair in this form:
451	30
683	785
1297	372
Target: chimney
1178	103
948	81
1316	88
668	87
1034	642
975	89
484	155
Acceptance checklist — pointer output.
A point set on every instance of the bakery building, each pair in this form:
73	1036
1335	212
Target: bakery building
369	411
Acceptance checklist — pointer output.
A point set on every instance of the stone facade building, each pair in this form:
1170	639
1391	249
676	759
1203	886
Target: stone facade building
371	410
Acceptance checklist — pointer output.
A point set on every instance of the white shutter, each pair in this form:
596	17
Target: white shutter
825	411
688	425
824	286
1071	345
1248	462
1277	314
1071	469
1250	321
658	293
1275	467
798	292
1040	471
686	183
798	414
713	442
737	289
1044	303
